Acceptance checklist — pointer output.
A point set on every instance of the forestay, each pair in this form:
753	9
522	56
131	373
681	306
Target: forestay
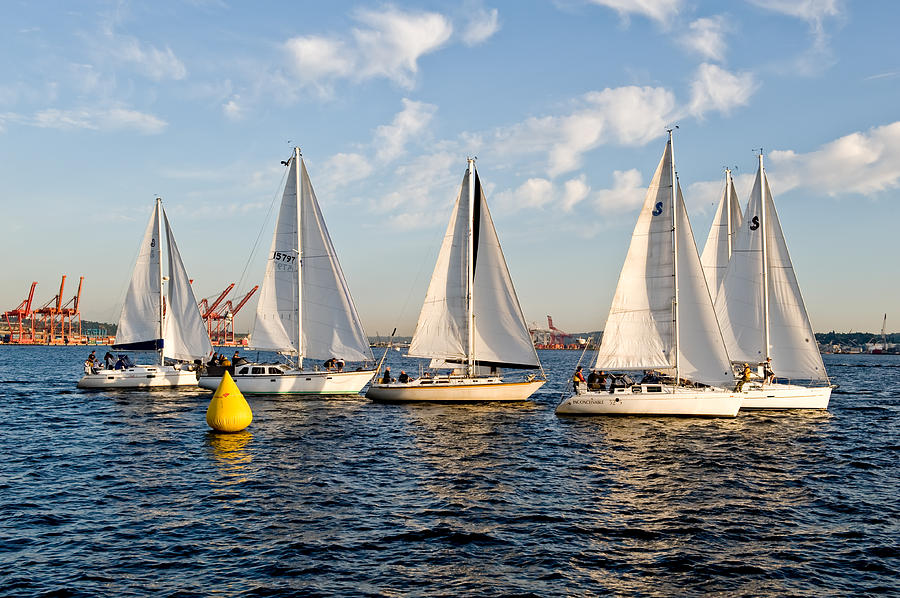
139	320
186	337
501	336
740	301
720	242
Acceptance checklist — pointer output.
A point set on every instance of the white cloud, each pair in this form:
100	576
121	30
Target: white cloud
625	115
533	193
814	12
341	169
97	119
714	88
574	191
863	163
482	25
315	57
809	10
425	185
658	10
390	140
388	44
153	62
627	193
706	37
232	109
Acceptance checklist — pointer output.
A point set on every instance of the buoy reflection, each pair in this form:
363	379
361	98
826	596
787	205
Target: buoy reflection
231	454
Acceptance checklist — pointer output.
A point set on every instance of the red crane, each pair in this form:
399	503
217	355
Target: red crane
557	336
224	331
70	312
50	316
208	312
20	321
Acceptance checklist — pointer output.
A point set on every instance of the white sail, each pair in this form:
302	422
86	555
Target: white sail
277	316
441	329
185	334
331	325
500	333
720	242
139	320
640	331
742	307
701	349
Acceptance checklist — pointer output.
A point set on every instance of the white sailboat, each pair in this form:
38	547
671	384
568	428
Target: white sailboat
763	316
662	319
471	322
173	328
720	242
305	308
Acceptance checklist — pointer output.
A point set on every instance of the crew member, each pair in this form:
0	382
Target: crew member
577	378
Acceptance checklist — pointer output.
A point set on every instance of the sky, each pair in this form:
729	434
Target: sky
105	105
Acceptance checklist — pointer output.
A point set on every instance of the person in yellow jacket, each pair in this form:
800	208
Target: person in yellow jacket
577	378
745	377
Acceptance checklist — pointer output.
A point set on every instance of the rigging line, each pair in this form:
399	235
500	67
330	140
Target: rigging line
241	290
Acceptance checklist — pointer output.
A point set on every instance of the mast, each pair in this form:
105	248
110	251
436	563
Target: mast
299	261
763	229
162	349
470	275
675	255
728	230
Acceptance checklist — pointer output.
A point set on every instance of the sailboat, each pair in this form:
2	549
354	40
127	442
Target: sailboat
720	242
168	323
471	322
763	316
305	309
662	321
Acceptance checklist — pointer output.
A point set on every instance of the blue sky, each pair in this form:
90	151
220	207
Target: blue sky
103	105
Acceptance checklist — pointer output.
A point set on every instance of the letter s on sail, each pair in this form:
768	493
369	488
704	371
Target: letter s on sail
754	223
657	209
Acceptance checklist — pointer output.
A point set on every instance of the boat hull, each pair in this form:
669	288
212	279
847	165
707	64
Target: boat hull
141	376
785	396
454	390
668	401
295	382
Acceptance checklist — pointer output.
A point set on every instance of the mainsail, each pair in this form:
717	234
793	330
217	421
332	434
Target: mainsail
139	325
186	337
499	334
759	305
304	293
720	242
661	284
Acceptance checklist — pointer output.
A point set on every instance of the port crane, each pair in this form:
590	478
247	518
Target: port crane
20	321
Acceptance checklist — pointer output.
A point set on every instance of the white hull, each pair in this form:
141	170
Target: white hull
454	389
293	382
141	376
637	400
784	396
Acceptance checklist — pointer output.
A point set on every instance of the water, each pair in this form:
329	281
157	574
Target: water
118	494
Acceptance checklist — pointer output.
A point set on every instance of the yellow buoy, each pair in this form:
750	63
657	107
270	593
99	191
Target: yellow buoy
228	411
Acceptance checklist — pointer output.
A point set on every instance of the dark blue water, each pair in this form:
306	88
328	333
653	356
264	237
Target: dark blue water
117	494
